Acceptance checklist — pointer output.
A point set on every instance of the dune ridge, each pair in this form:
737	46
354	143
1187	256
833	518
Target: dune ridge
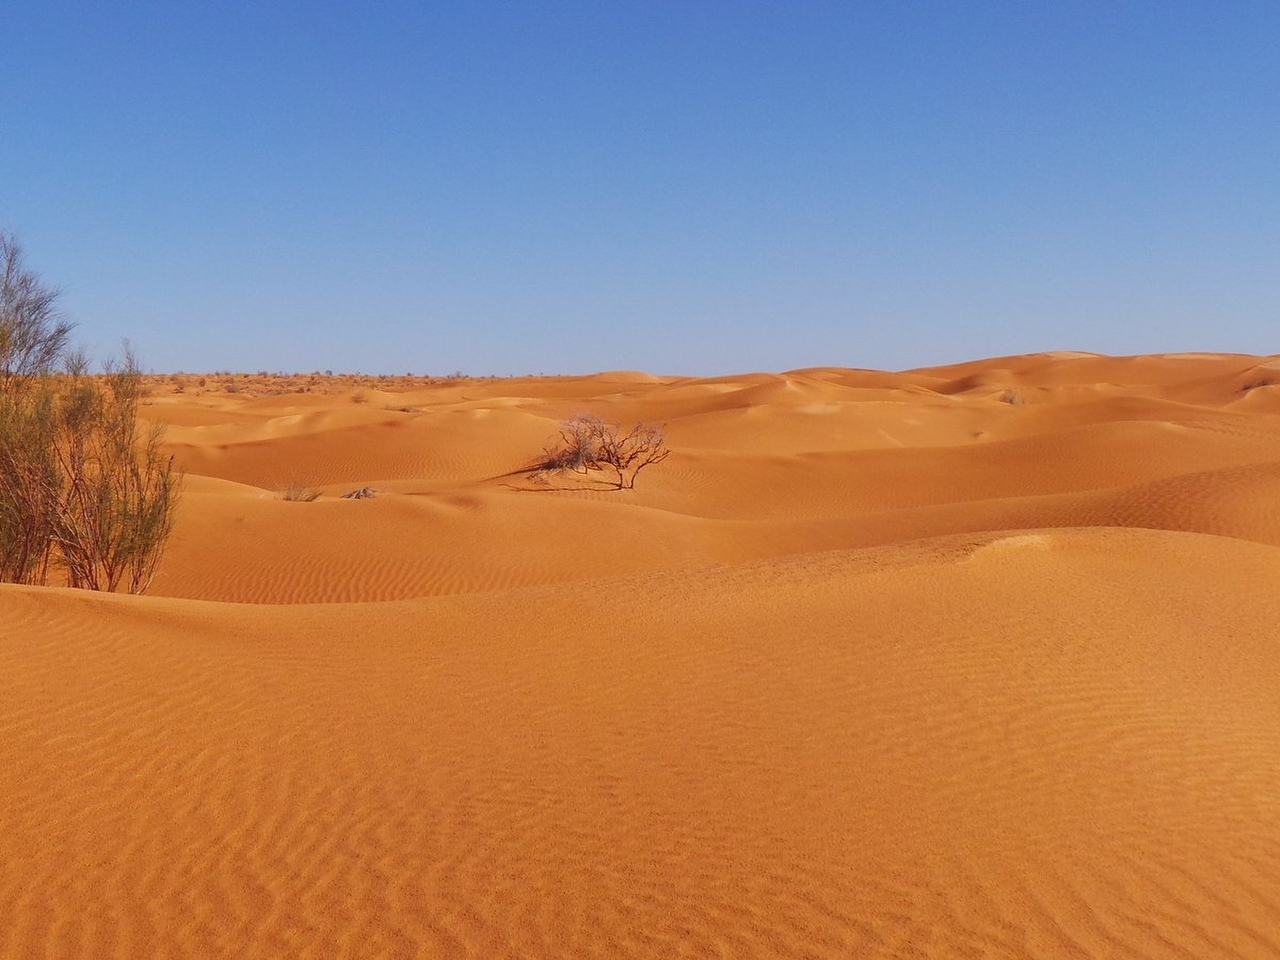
965	661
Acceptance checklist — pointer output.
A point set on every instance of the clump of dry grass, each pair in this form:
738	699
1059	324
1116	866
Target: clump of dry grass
299	493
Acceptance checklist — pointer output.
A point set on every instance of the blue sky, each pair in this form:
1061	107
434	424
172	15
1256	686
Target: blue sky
693	188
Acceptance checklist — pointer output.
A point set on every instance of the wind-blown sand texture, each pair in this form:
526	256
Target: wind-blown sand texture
977	661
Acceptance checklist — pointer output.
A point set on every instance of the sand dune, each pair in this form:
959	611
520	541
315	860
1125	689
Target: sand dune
976	660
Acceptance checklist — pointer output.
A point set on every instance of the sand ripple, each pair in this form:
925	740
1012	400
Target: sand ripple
1004	696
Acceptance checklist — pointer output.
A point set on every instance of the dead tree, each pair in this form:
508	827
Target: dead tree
589	443
626	454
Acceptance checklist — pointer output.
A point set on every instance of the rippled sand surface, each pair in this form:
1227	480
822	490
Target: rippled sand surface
976	661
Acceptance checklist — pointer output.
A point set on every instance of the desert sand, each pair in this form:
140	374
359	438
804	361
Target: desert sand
974	661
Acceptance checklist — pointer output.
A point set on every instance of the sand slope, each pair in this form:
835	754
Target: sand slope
875	665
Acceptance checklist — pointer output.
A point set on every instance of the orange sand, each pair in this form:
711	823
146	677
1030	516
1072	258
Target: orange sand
875	665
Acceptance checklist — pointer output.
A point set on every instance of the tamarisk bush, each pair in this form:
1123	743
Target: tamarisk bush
83	487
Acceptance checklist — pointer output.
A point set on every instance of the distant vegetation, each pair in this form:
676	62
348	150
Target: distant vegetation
589	443
83	487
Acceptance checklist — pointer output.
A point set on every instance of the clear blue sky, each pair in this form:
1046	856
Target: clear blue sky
686	187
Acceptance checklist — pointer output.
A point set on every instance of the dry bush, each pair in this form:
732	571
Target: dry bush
33	337
28	481
589	443
579	445
82	487
298	492
119	491
629	453
577	450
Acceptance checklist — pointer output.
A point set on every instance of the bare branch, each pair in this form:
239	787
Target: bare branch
33	337
81	484
588	443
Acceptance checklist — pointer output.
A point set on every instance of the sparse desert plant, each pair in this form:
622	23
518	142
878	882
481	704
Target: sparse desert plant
118	492
629	453
33	337
588	443
298	492
28	484
82	485
579	447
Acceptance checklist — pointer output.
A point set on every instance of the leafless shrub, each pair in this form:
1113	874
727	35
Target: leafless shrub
574	452
589	443
629	453
82	486
33	337
579	447
29	483
119	491
32	342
